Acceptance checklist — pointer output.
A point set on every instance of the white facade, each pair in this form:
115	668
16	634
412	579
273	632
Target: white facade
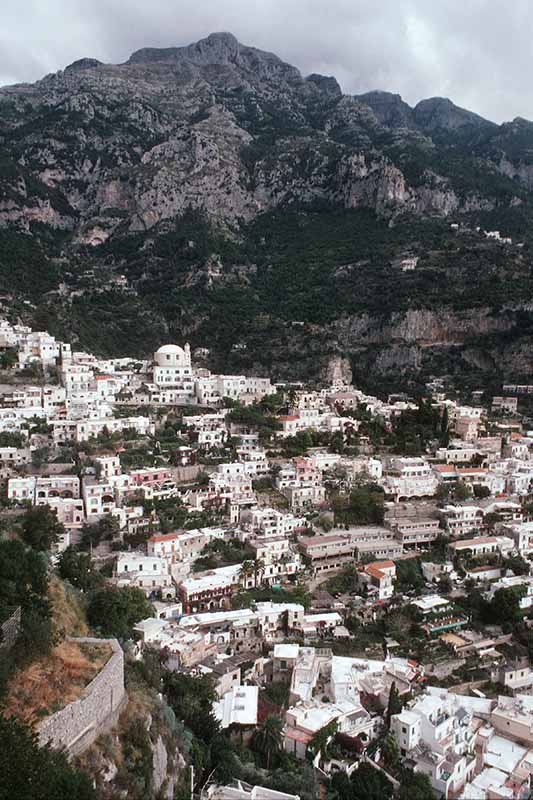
173	367
270	521
461	520
438	734
99	498
409	477
145	572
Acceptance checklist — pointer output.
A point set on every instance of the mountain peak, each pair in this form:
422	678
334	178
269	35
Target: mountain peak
83	63
220	49
217	48
440	112
390	109
327	83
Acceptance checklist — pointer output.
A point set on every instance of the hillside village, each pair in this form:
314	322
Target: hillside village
351	575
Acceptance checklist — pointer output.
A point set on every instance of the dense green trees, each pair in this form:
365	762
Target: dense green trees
409	575
40	528
364	505
365	783
24	583
413	430
505	605
105	529
12	439
114	611
345	581
259	416
191	698
244	598
321	739
390	752
30	772
76	567
220	553
415	786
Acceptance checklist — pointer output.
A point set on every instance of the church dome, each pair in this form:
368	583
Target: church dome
171	355
170	349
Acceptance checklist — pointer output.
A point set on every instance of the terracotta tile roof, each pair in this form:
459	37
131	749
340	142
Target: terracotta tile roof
163	537
374	571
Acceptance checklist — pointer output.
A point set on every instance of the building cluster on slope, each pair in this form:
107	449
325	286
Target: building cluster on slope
273	518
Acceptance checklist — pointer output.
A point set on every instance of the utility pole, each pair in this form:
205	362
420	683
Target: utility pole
192	782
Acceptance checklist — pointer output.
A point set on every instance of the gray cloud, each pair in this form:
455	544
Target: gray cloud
477	52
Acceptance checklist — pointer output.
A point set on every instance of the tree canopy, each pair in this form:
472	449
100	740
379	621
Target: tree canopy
30	772
114	611
365	783
364	505
76	567
41	528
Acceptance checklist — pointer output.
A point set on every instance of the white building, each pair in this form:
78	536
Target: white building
409	477
109	466
38	347
307	718
173	368
99	498
522	535
70	511
460	520
270	522
150	574
244	791
378	578
238	706
438	734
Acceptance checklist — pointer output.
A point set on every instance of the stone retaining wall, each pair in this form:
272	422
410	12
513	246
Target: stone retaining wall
76	726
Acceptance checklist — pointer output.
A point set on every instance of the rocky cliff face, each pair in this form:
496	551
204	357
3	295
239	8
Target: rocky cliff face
140	757
99	149
100	166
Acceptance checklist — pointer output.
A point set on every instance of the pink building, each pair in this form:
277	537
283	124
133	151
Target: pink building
149	475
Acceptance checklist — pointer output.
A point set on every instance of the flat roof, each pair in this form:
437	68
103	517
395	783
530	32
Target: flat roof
286	650
310	540
238	706
430	602
477	540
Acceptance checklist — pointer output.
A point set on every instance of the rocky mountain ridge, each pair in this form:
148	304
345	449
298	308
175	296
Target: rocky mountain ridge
215	125
184	157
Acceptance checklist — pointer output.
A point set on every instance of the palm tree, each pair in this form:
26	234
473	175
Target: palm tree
246	571
259	568
268	738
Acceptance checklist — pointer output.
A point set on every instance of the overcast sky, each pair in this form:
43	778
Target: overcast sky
477	52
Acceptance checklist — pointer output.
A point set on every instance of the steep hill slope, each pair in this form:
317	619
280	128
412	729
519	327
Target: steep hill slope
261	214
